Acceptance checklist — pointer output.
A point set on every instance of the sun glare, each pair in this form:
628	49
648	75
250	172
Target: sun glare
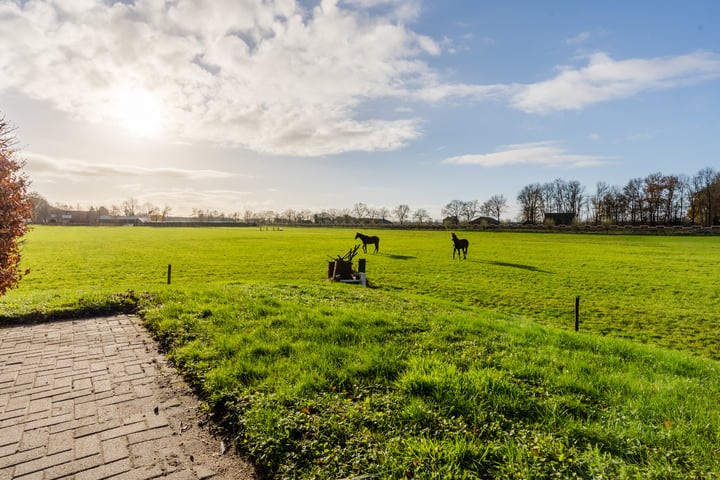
138	111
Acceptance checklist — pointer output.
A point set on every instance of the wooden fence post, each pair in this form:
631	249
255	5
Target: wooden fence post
169	273
577	313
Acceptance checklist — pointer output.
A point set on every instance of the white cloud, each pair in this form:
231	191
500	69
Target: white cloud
402	10
605	79
581	37
43	165
265	75
538	153
273	77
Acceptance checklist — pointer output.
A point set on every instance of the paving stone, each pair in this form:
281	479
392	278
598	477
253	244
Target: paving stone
60	442
21	457
31	476
115	449
34	438
70	468
148	435
105	470
49	421
72	425
41	405
87	446
10	435
85	409
17	403
43	463
78	400
9	449
123	431
82	384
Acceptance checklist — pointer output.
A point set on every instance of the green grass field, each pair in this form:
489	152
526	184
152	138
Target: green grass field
662	290
443	369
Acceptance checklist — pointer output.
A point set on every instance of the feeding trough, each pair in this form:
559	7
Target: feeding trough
340	268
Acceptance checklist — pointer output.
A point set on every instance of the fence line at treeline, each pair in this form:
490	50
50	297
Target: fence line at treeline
580	228
529	228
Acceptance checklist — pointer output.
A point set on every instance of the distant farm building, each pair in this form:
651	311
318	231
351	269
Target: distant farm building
123	220
484	221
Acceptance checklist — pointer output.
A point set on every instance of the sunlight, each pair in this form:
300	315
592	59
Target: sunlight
138	111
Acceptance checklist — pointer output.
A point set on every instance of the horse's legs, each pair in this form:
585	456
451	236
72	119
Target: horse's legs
365	247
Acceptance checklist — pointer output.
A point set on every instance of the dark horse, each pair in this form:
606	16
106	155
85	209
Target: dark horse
461	246
371	240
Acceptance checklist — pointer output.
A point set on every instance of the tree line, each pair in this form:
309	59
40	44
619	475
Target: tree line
657	199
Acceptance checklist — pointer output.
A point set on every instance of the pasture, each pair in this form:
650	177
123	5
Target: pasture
662	290
443	368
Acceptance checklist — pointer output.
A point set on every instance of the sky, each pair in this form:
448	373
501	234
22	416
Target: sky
248	105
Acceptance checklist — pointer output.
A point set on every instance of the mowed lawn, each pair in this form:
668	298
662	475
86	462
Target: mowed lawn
662	290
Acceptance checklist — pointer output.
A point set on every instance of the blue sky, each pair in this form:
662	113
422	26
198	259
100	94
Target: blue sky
237	105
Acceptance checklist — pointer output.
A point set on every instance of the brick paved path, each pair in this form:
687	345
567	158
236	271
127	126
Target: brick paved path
92	399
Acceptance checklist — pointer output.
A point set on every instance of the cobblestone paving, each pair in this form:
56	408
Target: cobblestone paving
93	399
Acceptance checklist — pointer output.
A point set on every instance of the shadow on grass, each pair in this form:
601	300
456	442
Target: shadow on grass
399	257
516	265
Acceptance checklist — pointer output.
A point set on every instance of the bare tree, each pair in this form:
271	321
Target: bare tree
549	197
633	191
129	207
401	212
707	180
304	215
165	213
598	202
360	210
289	216
670	184
470	210
421	215
654	193
453	210
154	213
531	202
574	197
682	194
40	208
495	206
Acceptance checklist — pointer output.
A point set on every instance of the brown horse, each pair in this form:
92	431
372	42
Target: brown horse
371	240
461	246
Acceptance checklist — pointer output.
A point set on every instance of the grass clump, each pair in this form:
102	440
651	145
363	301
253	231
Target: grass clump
331	382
